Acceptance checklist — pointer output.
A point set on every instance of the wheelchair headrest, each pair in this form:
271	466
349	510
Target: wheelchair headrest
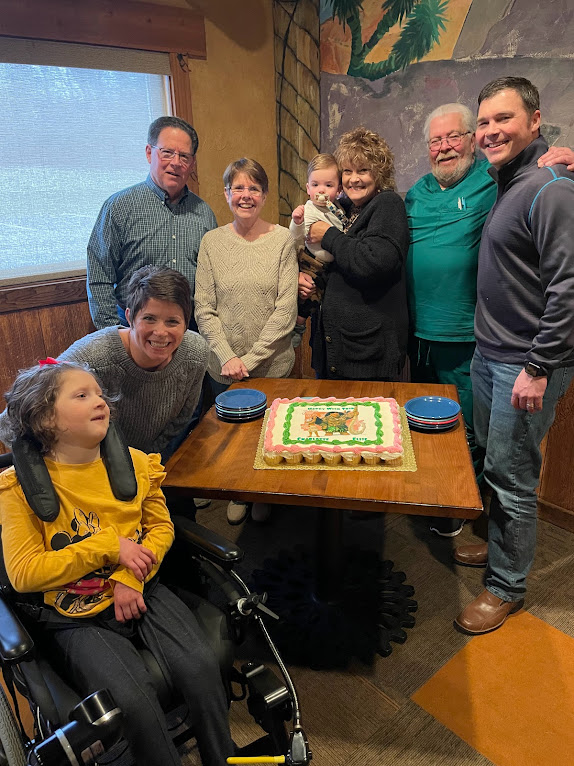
37	484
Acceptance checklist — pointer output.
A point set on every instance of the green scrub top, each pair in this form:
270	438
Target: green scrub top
445	227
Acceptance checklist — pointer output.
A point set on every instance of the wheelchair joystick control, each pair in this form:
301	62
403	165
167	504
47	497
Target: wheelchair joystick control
298	753
95	726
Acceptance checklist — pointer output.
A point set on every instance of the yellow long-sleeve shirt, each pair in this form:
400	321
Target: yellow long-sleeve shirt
73	558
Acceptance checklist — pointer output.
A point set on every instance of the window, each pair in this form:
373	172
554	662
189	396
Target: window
74	128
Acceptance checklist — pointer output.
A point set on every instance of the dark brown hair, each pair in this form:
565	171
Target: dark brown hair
525	89
172	122
161	283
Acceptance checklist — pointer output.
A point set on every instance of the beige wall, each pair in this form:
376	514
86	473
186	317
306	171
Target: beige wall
234	97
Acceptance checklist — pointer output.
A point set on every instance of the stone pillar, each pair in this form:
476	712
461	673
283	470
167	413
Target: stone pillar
297	72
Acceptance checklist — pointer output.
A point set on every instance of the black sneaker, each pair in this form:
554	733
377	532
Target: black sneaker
447	527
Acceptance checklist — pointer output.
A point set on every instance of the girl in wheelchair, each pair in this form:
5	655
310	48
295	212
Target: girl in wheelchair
97	565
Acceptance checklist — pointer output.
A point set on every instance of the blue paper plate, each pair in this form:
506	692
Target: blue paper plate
432	422
241	413
242	419
430	429
432	407
244	411
241	399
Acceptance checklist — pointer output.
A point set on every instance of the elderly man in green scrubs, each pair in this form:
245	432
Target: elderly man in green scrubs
446	210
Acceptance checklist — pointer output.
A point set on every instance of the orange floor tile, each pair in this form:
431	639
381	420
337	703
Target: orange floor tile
510	694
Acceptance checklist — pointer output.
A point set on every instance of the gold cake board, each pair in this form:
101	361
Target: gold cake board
406	463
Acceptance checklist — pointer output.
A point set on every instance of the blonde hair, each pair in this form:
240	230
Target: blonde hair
366	149
322	162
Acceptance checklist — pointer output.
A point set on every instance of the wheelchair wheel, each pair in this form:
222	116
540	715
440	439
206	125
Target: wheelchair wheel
10	737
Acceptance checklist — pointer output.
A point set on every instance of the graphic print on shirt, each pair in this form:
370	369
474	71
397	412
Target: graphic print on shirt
82	595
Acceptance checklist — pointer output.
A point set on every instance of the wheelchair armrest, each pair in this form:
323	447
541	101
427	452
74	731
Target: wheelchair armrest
207	544
15	641
6	460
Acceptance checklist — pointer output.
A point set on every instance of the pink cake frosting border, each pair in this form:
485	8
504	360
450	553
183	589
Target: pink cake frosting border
395	447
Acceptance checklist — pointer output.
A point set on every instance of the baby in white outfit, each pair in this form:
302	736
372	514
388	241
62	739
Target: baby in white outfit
323	188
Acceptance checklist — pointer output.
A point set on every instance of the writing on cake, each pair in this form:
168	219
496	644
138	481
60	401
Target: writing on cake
336	431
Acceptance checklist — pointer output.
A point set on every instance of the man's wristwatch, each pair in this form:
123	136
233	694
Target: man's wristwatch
535	370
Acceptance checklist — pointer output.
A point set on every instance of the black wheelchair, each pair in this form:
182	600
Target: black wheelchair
69	730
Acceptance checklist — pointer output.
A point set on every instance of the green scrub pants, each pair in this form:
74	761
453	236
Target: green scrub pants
449	362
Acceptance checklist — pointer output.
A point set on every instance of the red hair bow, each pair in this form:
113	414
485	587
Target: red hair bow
47	360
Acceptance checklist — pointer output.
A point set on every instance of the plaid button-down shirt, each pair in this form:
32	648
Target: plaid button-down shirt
139	227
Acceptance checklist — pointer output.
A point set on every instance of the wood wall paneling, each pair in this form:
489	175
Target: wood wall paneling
32	334
556	495
47	293
21	344
116	23
62	325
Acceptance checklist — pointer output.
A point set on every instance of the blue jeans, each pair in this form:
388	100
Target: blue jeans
512	468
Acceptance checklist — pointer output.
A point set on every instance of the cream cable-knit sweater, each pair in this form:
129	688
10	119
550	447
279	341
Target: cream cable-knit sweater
246	301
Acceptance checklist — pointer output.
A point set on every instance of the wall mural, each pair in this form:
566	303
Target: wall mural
387	63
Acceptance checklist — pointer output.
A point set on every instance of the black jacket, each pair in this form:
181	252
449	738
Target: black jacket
360	333
525	292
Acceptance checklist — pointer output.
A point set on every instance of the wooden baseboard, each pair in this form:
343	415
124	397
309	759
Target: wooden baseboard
560	517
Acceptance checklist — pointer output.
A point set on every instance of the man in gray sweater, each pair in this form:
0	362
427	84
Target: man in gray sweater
524	330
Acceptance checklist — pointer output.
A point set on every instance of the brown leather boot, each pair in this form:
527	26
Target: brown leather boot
472	555
486	613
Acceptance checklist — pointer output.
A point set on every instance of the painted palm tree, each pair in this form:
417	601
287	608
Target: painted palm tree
423	22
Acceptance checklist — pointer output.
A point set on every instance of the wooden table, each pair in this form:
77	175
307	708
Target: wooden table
217	461
349	596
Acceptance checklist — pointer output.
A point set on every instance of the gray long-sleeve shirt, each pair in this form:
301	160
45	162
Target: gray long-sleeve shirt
525	308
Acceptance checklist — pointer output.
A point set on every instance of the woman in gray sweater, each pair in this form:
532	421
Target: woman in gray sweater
156	364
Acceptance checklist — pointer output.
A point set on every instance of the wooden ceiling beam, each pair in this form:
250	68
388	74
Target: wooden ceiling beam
116	23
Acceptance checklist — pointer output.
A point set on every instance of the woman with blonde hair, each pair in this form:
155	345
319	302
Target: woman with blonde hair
361	331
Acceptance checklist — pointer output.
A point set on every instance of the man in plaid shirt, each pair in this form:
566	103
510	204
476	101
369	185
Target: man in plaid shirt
159	222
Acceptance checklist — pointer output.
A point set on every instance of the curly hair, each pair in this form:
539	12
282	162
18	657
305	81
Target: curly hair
31	400
366	149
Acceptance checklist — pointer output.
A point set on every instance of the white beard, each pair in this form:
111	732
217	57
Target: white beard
447	178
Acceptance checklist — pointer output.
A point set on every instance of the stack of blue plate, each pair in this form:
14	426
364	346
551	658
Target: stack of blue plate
240	404
432	413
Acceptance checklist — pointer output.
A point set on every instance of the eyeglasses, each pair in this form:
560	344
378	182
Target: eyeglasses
255	191
453	140
169	154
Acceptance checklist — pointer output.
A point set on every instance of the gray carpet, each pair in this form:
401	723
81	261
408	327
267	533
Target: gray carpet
363	716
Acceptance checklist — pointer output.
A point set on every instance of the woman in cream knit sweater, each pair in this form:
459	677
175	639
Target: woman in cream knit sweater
246	288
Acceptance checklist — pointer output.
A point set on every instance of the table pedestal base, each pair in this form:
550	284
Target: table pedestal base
338	604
